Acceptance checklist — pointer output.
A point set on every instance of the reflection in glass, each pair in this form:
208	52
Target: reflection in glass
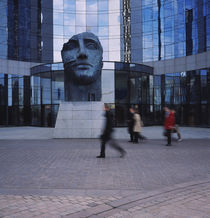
3	29
69	19
92	16
58	5
80	16
57	87
58	18
114	30
58	30
103	6
135	90
45	84
121	87
9	90
69	6
35	86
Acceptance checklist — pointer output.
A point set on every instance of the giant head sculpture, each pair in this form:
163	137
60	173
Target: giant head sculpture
82	58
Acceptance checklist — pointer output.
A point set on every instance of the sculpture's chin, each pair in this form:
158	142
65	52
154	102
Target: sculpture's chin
82	75
84	79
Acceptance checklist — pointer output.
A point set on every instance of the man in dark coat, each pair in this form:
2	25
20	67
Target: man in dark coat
131	124
107	135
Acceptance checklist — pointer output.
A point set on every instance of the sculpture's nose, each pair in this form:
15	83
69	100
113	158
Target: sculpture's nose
82	50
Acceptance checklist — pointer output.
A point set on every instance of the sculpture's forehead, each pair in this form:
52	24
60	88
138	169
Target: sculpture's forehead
84	36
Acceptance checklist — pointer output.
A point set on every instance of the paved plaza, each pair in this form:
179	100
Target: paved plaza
47	177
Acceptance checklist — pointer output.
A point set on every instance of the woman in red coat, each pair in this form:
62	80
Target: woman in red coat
169	123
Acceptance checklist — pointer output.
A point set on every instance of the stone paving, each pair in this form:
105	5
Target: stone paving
62	178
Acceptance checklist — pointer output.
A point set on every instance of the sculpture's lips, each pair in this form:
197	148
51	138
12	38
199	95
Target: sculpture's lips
81	64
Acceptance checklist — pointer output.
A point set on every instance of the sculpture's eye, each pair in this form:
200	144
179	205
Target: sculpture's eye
91	44
72	45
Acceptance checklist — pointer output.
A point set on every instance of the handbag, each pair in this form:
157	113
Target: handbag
165	133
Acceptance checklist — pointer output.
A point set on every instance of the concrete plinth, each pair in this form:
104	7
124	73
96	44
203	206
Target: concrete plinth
79	120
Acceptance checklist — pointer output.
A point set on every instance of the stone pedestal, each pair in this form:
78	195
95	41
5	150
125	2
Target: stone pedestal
79	120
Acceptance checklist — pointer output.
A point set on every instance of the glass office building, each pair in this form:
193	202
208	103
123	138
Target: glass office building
121	84
171	38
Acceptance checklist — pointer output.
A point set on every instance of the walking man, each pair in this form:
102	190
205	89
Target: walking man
107	135
131	123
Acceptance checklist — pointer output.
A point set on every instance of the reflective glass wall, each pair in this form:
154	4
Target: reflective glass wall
173	28
34	100
133	86
130	30
120	88
26	30
15	100
102	17
3	29
187	93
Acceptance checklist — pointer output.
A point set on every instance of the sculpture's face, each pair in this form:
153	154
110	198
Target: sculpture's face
82	57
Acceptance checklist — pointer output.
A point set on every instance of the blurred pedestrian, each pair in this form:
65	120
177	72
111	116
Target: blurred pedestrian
131	123
169	124
107	135
137	126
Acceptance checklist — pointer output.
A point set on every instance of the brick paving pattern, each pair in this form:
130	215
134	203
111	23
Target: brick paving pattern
62	178
47	206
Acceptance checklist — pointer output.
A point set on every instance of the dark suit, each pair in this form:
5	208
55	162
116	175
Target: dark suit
130	126
107	136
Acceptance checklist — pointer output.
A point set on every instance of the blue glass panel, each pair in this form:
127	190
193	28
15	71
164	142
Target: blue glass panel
168	23
208	42
58	30
92	20
188	4
3	50
69	5
147	54
69	19
58	18
147	41
169	51
208	8
155	53
92	16
169	37
146	2
58	4
168	9
147	27
103	19
103	5
69	31
147	14
181	6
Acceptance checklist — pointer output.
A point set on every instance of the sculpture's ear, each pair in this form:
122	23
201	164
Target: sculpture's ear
102	63
63	56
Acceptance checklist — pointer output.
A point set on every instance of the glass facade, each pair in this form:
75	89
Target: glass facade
100	17
15	100
187	92
34	100
47	84
130	31
3	29
26	30
174	28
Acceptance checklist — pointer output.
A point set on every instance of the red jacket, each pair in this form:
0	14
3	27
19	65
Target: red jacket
169	121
